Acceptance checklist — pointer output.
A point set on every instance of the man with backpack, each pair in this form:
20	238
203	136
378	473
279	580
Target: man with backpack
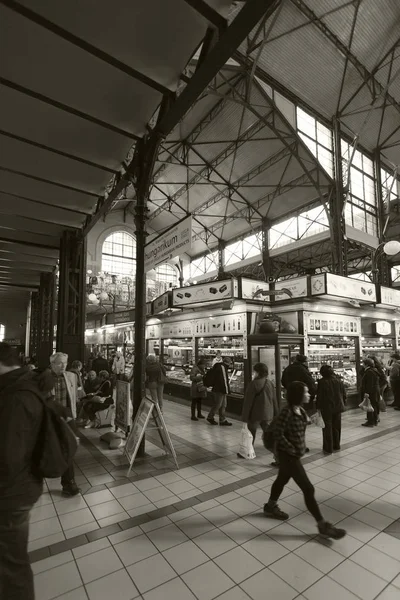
217	379
21	414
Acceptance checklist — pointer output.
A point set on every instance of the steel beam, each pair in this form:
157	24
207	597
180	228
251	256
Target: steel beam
337	207
229	40
208	13
34	325
46	318
71	310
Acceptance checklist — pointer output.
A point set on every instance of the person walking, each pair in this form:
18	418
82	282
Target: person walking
220	387
331	399
65	393
100	363
21	415
118	367
298	371
370	386
155	379
260	405
198	391
394	378
289	433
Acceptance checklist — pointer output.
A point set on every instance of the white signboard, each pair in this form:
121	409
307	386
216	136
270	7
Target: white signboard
177	329
206	292
383	328
174	242
390	296
297	286
317	323
224	325
343	287
251	286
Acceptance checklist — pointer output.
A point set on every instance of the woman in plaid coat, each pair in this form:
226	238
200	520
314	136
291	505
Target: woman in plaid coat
289	432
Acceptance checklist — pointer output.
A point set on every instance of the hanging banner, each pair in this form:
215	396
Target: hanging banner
297	286
174	242
249	287
390	297
205	292
343	287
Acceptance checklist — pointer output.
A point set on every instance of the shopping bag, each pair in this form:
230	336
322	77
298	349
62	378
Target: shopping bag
366	405
318	420
246	449
382	405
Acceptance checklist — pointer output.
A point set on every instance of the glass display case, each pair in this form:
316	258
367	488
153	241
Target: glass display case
231	346
178	359
379	347
341	353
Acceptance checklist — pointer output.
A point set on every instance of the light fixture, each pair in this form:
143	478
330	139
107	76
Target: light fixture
391	248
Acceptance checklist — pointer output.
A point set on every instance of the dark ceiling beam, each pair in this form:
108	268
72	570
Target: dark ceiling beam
46	204
29	239
37	224
366	75
65	108
83	161
229	40
6	265
208	13
82	44
42	180
21	286
9	257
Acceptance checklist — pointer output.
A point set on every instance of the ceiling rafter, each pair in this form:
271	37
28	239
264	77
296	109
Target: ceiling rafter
82	44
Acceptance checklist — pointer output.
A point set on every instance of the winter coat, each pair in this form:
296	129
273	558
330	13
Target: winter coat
394	373
297	371
118	366
196	377
21	414
220	379
260	402
155	373
370	384
331	396
100	364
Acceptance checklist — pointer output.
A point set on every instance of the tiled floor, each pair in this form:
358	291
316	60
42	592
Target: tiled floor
200	533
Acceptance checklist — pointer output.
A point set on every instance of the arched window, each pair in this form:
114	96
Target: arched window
2	332
119	254
166	274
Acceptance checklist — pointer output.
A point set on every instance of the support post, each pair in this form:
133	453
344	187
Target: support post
72	296
336	209
221	259
28	328
46	318
34	325
382	273
266	258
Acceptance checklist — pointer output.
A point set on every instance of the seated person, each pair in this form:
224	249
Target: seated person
101	400
91	383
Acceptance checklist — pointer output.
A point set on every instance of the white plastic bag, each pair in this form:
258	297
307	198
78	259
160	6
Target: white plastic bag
318	420
246	449
366	405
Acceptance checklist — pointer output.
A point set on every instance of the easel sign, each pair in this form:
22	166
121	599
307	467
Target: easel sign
148	409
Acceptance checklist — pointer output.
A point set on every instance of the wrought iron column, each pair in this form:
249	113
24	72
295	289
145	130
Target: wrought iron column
34	325
221	258
382	274
72	296
337	205
46	307
266	258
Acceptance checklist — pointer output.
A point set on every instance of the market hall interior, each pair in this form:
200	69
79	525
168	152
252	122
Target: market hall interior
205	183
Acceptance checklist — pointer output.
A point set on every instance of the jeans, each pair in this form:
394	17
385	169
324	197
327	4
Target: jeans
220	403
331	432
156	392
290	467
16	578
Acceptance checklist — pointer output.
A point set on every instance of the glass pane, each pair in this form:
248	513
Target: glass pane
312	146
324	136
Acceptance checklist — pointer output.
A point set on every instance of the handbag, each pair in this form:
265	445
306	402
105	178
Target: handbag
318	420
246	449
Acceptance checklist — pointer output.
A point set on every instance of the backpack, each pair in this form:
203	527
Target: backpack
57	443
209	378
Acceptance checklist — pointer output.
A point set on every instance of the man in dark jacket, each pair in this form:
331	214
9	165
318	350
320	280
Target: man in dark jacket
220	388
100	364
370	386
298	371
21	414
